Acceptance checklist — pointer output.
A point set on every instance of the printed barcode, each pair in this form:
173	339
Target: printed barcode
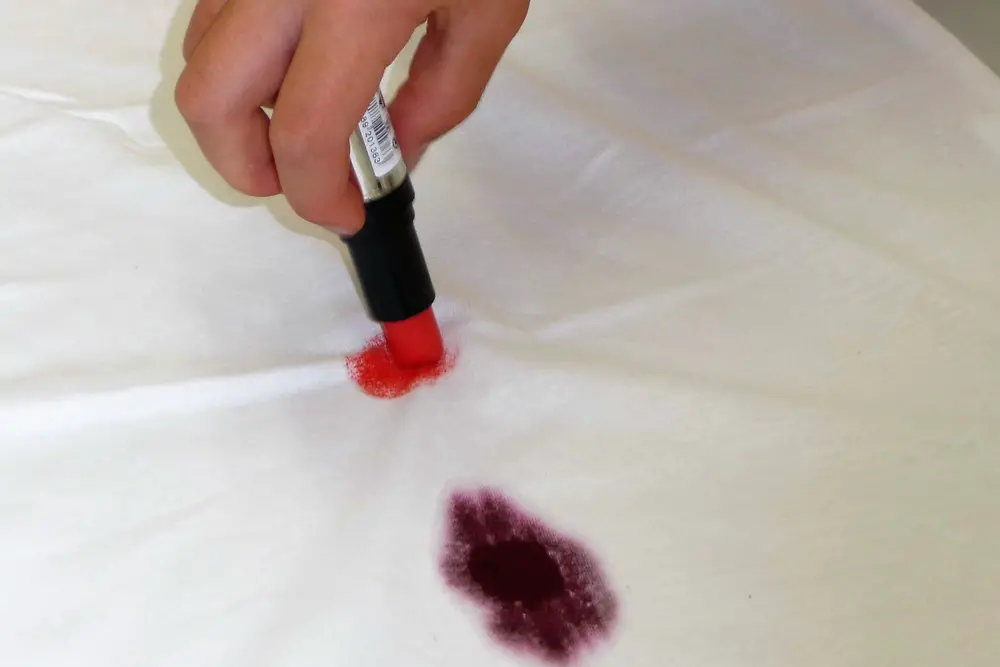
383	135
380	141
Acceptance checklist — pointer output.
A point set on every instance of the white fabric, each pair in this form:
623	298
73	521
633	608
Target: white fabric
725	280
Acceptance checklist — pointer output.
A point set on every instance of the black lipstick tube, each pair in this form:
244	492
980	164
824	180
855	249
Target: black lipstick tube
392	272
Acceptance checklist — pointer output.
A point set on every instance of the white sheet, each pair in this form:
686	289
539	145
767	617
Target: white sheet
725	280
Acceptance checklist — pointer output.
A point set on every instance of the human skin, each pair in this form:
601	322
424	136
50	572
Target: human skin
317	63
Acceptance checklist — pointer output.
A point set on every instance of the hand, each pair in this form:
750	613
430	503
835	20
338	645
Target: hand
318	63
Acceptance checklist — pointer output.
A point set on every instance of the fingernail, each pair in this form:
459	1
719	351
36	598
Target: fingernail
344	232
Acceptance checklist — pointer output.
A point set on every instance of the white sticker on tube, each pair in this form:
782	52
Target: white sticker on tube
380	140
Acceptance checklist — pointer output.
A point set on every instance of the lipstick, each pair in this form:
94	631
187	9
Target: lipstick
392	272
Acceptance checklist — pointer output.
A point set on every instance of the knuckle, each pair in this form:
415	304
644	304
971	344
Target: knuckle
464	103
296	137
195	99
467	104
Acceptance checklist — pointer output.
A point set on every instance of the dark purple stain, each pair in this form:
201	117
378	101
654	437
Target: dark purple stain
543	592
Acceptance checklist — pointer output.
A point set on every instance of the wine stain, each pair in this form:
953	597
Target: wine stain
542	592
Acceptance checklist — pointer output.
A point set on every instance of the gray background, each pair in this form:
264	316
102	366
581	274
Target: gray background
974	22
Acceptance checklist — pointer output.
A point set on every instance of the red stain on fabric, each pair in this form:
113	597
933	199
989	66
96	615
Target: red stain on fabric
377	374
542	592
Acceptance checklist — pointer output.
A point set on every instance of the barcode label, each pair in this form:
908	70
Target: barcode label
380	140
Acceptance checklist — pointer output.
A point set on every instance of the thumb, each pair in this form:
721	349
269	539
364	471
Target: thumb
450	70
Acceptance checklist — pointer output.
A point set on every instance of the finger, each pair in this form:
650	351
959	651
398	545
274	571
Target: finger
450	71
336	69
201	20
236	66
202	17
